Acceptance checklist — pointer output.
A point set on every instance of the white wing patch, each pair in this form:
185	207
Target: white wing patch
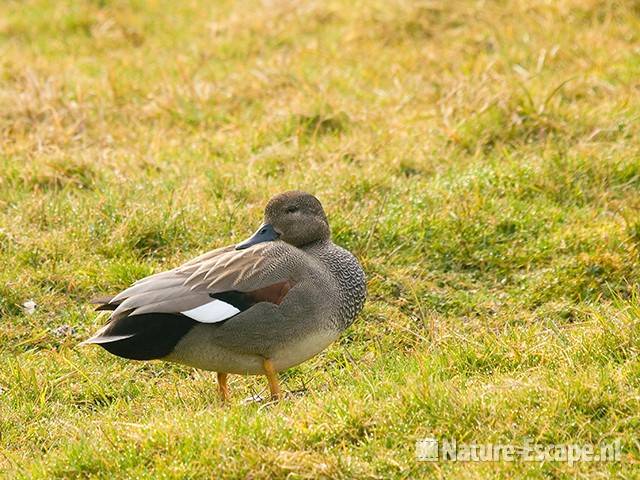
212	312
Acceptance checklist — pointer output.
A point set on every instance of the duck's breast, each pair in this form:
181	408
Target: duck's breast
302	349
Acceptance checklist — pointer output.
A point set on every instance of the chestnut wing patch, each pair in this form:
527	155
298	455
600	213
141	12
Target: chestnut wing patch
244	300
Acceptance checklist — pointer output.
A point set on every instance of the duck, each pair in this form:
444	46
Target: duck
262	306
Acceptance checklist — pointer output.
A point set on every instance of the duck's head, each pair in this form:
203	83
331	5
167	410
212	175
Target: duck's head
293	217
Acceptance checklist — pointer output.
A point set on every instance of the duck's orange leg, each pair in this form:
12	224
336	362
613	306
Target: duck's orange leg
272	377
223	388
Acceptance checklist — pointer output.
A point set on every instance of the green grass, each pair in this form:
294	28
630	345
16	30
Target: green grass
482	159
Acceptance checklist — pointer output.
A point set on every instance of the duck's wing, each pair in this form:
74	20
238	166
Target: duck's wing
208	289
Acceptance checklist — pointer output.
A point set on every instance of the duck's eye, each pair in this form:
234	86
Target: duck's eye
292	209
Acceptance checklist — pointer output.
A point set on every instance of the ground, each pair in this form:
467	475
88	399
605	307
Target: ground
481	158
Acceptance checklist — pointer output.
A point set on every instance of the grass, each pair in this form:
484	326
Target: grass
482	159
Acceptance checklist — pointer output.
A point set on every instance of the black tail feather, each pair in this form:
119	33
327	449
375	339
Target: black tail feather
106	306
104	302
153	335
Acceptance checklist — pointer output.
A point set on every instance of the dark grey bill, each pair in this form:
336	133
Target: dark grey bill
266	233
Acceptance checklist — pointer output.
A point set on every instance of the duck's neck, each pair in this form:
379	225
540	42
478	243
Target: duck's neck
318	245
349	276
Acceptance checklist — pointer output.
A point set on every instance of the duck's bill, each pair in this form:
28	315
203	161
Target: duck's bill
266	233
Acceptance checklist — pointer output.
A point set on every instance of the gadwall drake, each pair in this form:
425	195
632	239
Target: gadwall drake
256	308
